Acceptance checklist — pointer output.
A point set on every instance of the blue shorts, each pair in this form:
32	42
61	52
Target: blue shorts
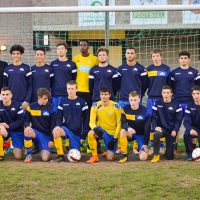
123	103
56	101
41	140
150	103
139	139
17	139
107	138
74	140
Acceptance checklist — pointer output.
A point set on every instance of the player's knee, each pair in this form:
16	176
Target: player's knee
45	156
122	133
18	155
110	156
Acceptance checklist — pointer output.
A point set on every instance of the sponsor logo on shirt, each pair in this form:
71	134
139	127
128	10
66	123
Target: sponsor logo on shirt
46	70
170	108
177	73
124	69
160	106
68	65
78	104
193	108
135	69
96	72
66	104
13	109
55	65
190	73
11	70
139	117
109	70
162	73
21	69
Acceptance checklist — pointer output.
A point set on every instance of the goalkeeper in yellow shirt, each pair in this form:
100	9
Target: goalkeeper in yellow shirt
105	122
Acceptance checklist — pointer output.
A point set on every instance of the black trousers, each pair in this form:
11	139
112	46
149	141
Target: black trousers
87	96
170	143
188	142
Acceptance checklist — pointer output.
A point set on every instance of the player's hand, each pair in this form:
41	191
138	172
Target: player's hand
159	129
25	105
98	131
146	149
3	131
131	130
5	125
51	144
173	133
56	132
111	144
28	131
193	132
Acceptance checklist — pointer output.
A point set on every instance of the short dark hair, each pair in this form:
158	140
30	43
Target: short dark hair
62	44
17	47
105	89
196	87
40	49
184	53
72	82
100	49
86	41
158	51
165	87
43	92
131	48
5	89
134	93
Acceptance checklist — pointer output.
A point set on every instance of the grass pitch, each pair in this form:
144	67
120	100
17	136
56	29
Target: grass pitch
178	179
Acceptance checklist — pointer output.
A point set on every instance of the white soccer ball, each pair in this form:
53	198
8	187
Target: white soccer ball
74	155
196	154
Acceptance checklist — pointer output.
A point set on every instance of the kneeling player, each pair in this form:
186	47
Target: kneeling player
11	123
135	126
72	121
105	124
39	123
192	121
166	121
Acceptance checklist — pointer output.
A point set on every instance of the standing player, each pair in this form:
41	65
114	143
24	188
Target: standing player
192	121
11	123
136	125
133	76
105	122
103	75
18	77
84	62
72	121
3	65
39	123
158	76
41	72
183	79
64	70
166	121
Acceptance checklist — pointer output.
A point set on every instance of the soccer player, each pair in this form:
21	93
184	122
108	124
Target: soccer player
105	122
192	121
166	121
41	72
39	123
84	62
72	121
183	79
64	70
158	76
136	125
11	123
103	75
18	77
133	76
3	65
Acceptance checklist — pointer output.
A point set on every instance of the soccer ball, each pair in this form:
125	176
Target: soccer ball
74	155
196	154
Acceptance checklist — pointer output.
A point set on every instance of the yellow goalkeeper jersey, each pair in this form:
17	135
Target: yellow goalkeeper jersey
84	64
107	117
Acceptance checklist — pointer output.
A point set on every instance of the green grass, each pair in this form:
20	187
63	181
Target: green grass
177	179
